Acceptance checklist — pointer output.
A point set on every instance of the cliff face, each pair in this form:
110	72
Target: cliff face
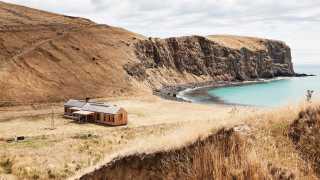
196	58
49	57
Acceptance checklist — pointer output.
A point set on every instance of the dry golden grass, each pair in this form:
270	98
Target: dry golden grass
272	143
60	155
216	155
154	125
238	42
65	150
270	154
61	57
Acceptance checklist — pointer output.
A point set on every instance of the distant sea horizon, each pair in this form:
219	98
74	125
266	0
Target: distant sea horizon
307	68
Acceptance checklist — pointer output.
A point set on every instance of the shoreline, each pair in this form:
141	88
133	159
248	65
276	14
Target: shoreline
188	92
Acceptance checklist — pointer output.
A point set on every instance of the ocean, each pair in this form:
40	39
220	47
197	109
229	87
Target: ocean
278	92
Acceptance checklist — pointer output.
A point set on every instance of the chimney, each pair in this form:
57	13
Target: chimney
87	99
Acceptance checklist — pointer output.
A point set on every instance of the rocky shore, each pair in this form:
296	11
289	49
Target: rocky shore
174	92
200	89
170	66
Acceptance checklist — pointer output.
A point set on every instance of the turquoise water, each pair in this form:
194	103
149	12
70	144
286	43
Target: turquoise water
273	93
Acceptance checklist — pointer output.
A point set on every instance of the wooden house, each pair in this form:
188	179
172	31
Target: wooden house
101	113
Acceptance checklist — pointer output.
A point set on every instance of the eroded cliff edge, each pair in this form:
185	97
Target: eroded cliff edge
197	59
281	147
223	155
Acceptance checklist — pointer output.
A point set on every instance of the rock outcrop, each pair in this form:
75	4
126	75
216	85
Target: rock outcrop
47	57
196	58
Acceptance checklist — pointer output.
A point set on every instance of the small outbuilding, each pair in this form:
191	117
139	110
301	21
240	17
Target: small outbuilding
102	113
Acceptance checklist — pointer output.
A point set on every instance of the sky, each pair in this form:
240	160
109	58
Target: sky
297	22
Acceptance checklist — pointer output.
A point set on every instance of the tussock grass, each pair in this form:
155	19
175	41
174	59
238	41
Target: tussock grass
6	165
273	144
265	153
165	126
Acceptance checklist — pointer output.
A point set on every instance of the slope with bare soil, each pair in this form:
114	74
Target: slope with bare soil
50	57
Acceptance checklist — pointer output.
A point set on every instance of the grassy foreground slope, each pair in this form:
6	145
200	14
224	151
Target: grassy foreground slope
260	148
243	143
72	147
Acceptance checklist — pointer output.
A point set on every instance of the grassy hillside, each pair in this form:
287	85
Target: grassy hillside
46	57
49	57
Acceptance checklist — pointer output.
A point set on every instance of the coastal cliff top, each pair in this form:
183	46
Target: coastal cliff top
238	42
72	57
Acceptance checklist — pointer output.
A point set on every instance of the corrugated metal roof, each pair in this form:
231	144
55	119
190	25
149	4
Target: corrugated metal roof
83	112
75	103
92	106
76	108
101	107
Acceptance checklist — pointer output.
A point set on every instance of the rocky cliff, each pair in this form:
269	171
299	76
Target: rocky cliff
196	58
50	57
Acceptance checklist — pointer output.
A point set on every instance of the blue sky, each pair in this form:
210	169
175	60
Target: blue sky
294	21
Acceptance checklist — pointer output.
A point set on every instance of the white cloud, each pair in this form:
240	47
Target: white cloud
294	21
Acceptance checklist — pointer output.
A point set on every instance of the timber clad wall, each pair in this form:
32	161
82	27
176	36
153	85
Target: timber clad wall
95	112
121	118
69	111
